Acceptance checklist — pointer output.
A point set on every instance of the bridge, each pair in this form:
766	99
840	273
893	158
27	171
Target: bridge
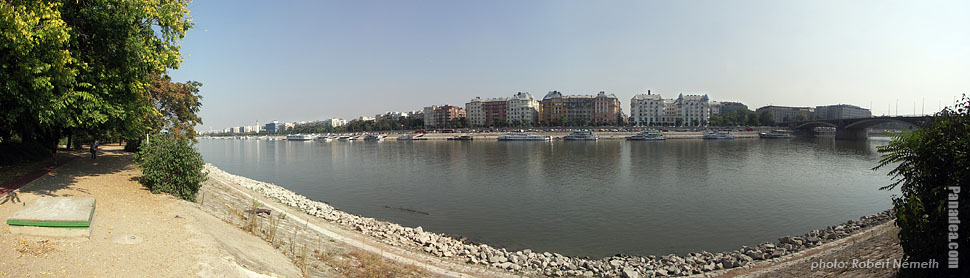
855	128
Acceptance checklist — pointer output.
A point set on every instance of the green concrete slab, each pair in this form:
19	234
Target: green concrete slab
55	212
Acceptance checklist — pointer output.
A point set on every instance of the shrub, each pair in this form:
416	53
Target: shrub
171	165
933	167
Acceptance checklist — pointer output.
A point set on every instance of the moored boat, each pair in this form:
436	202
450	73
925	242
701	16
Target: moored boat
461	138
299	137
580	135
373	137
774	135
518	136
719	135
648	135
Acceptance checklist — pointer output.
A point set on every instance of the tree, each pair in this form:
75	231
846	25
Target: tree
177	105
931	170
800	117
85	66
766	118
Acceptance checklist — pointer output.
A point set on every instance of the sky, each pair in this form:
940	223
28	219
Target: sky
312	60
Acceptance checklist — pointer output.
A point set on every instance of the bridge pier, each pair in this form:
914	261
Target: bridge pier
842	133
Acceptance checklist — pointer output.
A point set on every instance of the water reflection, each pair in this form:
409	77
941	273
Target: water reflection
581	198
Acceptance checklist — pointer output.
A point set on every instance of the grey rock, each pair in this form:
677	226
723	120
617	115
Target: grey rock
629	272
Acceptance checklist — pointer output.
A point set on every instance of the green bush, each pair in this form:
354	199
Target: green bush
932	172
171	165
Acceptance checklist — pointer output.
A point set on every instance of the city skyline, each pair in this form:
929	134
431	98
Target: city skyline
317	60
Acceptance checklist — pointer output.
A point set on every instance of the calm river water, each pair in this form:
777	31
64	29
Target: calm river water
581	198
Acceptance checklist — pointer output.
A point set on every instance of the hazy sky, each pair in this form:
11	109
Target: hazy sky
308	60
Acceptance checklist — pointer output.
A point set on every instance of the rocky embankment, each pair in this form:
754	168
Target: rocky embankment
552	264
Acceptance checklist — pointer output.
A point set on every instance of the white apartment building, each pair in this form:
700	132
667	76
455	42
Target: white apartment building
475	112
334	122
652	110
695	110
522	107
647	109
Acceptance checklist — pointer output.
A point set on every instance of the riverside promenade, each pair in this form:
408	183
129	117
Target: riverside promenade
134	233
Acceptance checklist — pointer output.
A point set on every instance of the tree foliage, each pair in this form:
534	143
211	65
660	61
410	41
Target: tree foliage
171	165
932	168
85	66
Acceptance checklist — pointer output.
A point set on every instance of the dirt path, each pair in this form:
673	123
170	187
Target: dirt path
877	244
171	238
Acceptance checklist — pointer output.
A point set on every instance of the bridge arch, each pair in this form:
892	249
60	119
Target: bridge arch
814	124
874	121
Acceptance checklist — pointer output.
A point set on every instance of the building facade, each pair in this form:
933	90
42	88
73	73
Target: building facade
647	110
841	111
728	107
273	127
436	116
653	110
694	110
522	108
600	109
334	122
785	114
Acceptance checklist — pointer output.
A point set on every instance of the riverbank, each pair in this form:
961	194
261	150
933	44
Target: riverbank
528	262
493	136
134	233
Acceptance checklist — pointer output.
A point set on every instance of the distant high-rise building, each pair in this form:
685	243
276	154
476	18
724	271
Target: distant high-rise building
273	127
841	111
784	114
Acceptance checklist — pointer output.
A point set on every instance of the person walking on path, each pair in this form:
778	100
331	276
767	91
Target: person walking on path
94	149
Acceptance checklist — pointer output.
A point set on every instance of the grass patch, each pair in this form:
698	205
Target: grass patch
359	263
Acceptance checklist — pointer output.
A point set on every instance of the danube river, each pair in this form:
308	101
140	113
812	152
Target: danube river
581	198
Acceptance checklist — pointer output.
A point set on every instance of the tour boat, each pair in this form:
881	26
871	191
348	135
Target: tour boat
299	137
774	135
461	138
580	135
518	136
648	135
719	135
410	138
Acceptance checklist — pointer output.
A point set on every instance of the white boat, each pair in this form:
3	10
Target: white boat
372	137
580	135
518	136
410	138
325	138
648	135
774	135
343	138
299	137
719	135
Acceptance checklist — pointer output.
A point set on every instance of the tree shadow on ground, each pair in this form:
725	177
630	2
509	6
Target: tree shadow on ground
61	182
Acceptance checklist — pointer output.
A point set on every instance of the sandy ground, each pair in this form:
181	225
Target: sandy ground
170	237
